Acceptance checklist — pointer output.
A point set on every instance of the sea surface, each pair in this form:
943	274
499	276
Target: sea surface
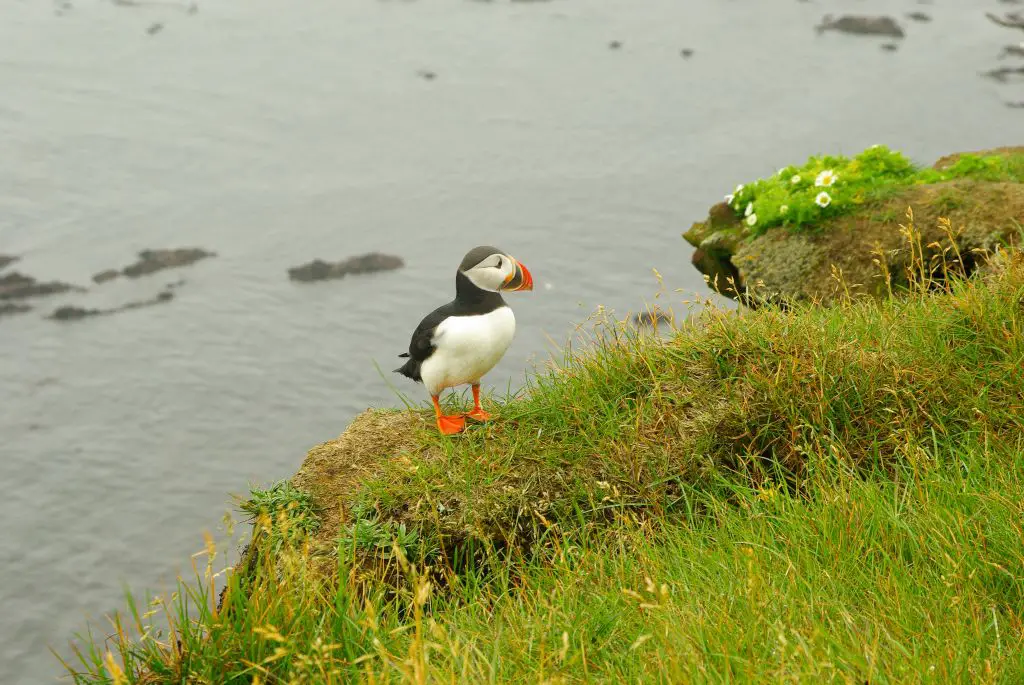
573	134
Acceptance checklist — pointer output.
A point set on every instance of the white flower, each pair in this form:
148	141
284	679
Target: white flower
739	189
826	178
795	179
749	210
728	199
782	171
823	200
752	219
783	209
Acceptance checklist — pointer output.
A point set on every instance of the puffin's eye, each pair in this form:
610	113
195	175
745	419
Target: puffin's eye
499	262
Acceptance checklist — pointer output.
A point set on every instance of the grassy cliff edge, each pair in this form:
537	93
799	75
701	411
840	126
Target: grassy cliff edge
817	494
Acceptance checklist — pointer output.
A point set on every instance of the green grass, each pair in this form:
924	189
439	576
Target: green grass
802	196
811	495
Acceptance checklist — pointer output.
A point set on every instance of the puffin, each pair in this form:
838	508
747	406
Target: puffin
459	342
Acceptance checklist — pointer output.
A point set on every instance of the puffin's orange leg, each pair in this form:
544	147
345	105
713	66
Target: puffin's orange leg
478	412
449	425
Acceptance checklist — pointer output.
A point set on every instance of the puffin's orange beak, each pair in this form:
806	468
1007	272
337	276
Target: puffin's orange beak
522	279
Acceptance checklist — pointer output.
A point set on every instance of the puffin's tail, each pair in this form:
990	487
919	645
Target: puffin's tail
410	369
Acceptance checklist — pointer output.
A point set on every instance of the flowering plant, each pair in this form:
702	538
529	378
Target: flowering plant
830	185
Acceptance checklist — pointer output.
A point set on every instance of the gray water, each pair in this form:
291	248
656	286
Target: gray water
274	132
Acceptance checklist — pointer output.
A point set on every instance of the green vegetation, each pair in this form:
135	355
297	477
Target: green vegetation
813	495
833	185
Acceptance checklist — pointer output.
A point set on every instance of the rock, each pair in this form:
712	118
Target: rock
426	74
653	317
18	286
104	276
1003	74
72	313
861	26
319	270
1012	51
687	53
7	260
8	308
615	45
151	261
1014	20
890	47
919	16
155	28
783	266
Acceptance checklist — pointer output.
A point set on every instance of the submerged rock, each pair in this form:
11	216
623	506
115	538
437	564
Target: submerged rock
151	261
1012	51
14	286
783	266
73	313
861	26
104	276
7	260
652	317
1012	20
9	308
1003	74
319	270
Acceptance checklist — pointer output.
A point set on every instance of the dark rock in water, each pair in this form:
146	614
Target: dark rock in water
919	16
1003	74
8	308
686	52
319	270
615	45
890	47
72	313
426	74
155	28
17	286
151	261
653	317
862	26
1014	20
7	260
1012	51
104	276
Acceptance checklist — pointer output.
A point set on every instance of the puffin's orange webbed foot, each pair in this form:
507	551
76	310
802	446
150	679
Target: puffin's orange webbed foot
450	425
478	413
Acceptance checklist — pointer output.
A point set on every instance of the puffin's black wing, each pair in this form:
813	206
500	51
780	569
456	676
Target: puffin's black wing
422	344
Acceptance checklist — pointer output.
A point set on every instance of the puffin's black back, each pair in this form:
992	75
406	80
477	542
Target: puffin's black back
469	301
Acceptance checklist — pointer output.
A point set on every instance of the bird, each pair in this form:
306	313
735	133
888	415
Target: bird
459	342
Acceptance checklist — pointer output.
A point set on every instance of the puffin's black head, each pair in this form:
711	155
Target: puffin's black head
489	268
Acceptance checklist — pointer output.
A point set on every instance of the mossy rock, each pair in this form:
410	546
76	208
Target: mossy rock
847	253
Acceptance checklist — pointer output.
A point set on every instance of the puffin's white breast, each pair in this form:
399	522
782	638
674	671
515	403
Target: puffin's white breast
467	348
